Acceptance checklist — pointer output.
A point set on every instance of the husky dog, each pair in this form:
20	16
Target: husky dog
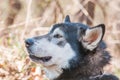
71	51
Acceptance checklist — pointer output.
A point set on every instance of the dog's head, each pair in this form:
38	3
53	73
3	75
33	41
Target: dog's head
64	44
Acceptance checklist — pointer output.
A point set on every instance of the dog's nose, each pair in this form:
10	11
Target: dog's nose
29	42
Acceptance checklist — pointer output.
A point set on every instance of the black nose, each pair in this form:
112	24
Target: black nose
29	42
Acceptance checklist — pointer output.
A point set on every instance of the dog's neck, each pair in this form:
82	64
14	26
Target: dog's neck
53	72
79	73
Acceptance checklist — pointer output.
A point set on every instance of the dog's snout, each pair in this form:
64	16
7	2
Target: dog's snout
29	42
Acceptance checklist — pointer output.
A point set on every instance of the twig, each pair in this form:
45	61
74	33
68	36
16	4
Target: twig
27	18
83	10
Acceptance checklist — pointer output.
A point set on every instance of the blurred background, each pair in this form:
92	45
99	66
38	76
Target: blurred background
20	19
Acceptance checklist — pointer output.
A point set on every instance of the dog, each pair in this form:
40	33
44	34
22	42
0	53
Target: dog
71	51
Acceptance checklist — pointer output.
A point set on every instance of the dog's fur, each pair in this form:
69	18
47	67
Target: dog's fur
71	51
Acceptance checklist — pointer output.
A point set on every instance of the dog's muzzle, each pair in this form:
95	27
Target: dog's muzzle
30	42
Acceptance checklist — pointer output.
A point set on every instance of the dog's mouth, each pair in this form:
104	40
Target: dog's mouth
44	59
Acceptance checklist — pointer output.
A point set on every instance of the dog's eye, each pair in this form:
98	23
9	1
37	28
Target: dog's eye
57	36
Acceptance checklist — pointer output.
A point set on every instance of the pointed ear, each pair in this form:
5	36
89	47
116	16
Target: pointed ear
67	19
93	36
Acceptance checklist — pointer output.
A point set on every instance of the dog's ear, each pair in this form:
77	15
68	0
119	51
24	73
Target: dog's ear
67	19
93	36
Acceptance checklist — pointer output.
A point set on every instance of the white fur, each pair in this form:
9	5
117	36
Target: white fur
52	72
58	31
60	56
